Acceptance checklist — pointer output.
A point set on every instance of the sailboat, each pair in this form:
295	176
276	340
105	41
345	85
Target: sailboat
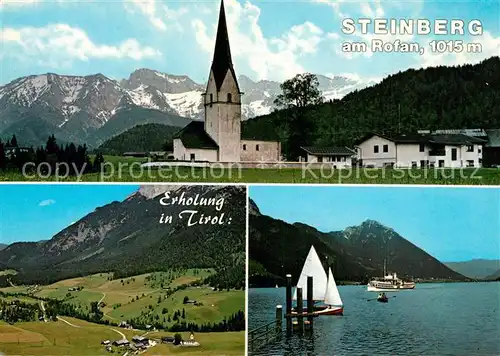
334	304
325	293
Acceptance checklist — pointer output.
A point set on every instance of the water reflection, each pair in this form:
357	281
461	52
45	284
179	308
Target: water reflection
433	320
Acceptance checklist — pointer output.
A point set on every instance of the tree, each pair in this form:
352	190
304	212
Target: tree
168	145
98	161
3	158
51	146
298	95
299	92
13	141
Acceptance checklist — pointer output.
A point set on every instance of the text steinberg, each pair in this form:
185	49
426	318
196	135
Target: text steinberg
382	26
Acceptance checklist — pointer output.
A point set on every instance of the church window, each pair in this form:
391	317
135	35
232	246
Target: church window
211	99
244	147
229	97
257	147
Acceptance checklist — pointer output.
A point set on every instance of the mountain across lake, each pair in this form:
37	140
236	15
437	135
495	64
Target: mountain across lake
357	253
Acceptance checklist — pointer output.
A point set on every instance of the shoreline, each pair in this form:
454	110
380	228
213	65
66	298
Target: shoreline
355	283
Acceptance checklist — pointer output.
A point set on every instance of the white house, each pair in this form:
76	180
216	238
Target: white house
339	157
219	137
420	150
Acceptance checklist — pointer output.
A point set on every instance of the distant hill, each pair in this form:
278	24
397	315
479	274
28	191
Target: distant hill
141	138
357	253
2	246
494	276
466	96
479	268
127	238
128	118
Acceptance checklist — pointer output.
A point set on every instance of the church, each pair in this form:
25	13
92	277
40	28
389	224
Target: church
219	137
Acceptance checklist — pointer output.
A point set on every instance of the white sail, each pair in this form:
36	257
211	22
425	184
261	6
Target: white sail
312	267
332	295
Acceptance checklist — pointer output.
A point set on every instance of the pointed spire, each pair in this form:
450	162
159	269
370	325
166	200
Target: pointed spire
222	61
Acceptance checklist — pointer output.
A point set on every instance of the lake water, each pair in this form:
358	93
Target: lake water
433	319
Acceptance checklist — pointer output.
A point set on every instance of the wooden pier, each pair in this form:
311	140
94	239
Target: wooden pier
267	333
296	320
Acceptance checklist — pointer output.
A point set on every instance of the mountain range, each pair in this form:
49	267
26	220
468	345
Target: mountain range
90	109
477	268
126	237
357	253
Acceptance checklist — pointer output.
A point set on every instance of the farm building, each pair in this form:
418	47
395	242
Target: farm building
420	150
339	157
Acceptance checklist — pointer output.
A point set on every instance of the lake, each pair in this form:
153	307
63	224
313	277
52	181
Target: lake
433	319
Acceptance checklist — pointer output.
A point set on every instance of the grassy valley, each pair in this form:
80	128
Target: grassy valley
157	304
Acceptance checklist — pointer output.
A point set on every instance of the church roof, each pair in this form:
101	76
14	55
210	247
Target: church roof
193	135
222	61
329	151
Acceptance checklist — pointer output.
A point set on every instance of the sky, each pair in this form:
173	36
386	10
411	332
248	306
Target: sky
38	212
270	39
451	224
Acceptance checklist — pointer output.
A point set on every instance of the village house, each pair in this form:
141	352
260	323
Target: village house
122	342
339	157
422	150
168	339
219	137
491	148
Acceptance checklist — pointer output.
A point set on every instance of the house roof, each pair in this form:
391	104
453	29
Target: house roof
222	61
422	138
455	139
493	138
468	132
329	151
193	135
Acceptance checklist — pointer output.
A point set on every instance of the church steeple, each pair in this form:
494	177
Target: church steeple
222	62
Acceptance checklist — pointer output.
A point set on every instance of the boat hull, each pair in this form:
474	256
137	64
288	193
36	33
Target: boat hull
331	311
382	300
324	310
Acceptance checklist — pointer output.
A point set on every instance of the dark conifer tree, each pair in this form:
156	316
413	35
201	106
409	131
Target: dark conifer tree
3	158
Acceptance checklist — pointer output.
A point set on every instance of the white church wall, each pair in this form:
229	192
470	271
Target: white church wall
260	151
182	153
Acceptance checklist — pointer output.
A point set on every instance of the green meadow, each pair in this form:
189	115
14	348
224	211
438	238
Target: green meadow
77	337
128	169
143	295
123	299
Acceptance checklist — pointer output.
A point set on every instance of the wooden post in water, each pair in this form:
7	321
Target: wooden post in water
279	318
288	302
300	309
310	301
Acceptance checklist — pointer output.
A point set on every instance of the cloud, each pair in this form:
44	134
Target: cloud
159	15
275	58
17	3
61	43
47	202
